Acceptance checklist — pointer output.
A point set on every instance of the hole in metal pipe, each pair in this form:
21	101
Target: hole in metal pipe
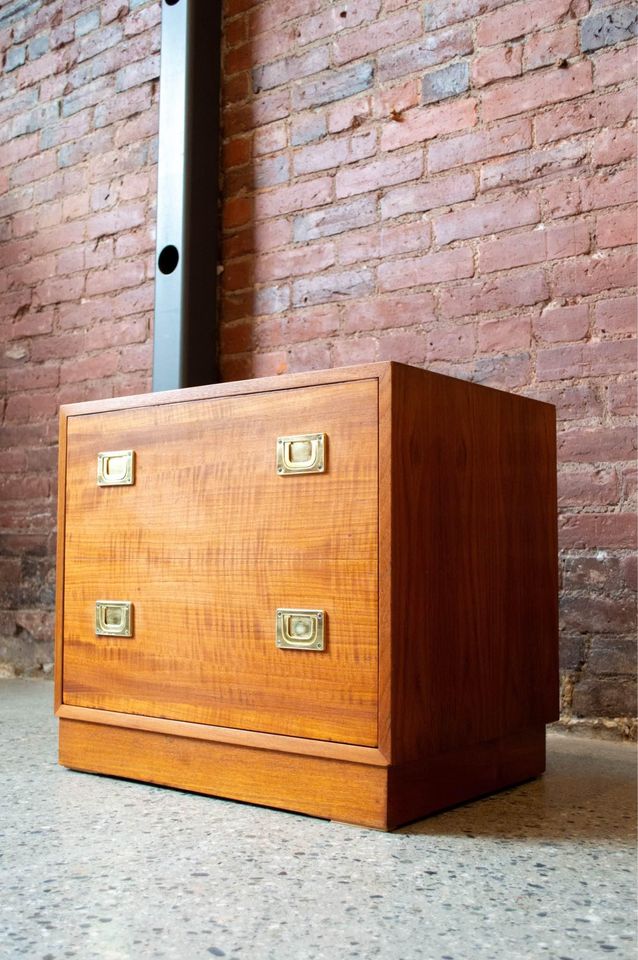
169	256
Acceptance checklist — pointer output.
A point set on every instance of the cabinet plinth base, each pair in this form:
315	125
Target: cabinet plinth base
374	796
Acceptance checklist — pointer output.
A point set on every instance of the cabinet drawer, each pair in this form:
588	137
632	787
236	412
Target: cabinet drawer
207	543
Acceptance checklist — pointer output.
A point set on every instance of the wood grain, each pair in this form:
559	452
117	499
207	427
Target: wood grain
58	654
241	738
334	789
474	564
207	544
430	784
430	542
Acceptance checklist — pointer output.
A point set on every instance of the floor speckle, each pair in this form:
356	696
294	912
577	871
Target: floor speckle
104	869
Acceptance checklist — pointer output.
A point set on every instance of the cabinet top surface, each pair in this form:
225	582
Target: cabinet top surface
256	385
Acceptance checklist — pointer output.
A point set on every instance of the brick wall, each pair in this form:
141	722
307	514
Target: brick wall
78	120
449	184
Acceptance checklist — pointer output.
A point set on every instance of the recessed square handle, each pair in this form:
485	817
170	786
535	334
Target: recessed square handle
116	468
300	629
304	453
113	618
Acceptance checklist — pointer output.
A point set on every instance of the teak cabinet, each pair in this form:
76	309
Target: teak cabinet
332	592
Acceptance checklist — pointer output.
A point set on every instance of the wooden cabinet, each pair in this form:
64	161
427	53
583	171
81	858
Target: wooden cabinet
330	592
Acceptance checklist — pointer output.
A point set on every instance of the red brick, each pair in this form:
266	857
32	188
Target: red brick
120	334
503	372
407	346
34	168
499	139
613	146
505	334
17	149
440	13
271	14
260	111
236	337
602	444
617	316
294	262
421	271
487	218
385	312
269	139
563	324
360	350
100	365
519	19
334	152
394	101
263	236
551	46
608	189
612	109
603	615
614	66
134	244
616	229
39	405
537	90
334	19
33	377
299	196
309	356
115	278
428	51
269	364
587	275
349	114
491	65
310	323
293	67
560	199
425	123
237	275
384	241
572	401
115	221
519	288
454	343
534	165
622	398
564	240
607	531
591	487
238	211
606	358
58	290
433	193
377	36
381	173
329	287
236	152
136	358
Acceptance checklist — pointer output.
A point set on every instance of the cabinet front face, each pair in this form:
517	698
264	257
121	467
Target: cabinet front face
201	529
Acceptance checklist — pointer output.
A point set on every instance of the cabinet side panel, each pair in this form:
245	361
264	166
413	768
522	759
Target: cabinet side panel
474	564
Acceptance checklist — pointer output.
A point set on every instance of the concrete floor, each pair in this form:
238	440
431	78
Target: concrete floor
98	868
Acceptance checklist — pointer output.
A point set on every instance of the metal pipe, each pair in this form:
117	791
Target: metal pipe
185	323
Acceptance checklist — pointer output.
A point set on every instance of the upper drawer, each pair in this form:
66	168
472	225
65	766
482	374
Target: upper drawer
207	543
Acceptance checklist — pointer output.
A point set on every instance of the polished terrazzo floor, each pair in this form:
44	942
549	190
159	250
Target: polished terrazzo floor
103	869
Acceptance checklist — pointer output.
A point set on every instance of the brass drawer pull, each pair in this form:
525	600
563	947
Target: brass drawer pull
116	468
113	618
301	454
300	629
